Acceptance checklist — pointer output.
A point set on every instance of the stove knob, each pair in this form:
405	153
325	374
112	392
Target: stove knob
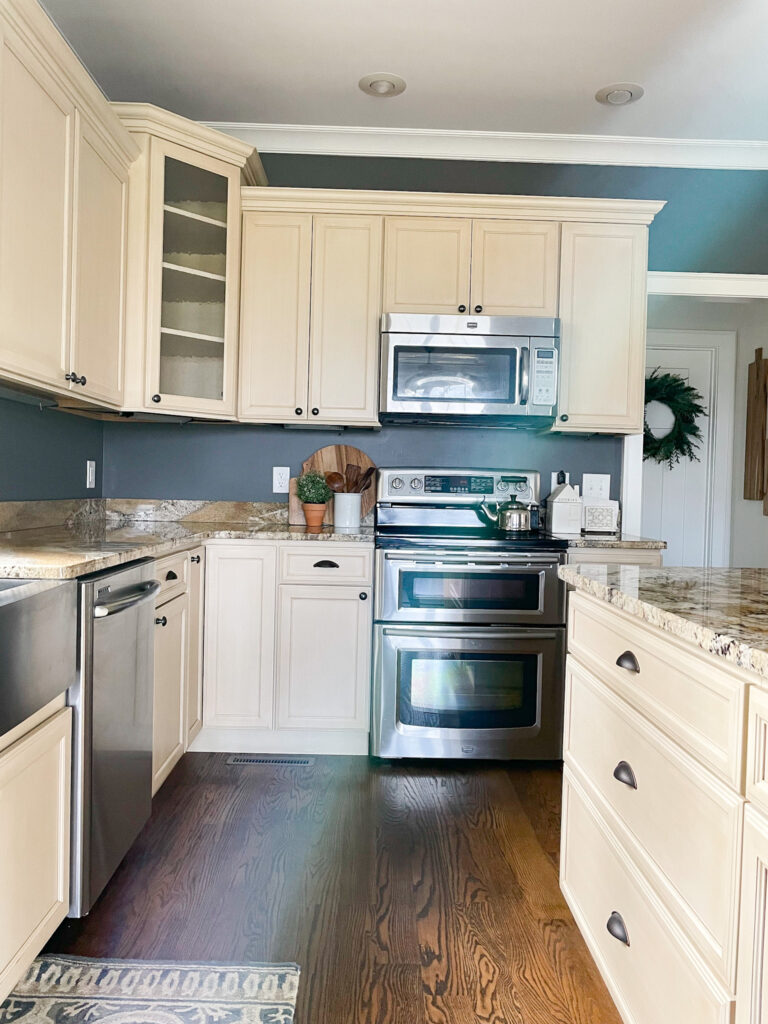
417	483
520	486
502	485
396	483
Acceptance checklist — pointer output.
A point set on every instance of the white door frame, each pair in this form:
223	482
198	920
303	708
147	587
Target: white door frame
723	286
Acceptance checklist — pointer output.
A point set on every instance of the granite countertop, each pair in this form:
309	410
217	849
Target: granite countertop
64	552
722	611
612	540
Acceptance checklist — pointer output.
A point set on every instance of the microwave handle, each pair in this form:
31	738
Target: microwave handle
525	374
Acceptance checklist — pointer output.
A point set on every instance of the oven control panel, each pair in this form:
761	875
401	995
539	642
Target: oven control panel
456	486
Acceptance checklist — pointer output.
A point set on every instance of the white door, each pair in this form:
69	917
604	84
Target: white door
689	506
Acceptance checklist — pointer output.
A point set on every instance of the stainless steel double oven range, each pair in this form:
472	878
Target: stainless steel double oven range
469	634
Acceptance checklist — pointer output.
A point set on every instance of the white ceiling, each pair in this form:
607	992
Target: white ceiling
482	65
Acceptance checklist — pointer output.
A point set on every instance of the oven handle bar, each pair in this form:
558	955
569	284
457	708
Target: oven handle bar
471	633
411	558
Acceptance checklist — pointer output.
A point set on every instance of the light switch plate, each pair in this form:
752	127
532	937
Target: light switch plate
596	485
90	473
281	479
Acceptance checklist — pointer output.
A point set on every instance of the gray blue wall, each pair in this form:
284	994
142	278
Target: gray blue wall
715	221
43	454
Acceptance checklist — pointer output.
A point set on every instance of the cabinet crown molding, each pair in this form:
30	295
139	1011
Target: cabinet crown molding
451	204
28	19
146	118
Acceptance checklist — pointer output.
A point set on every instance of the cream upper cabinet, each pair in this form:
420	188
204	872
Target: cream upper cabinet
171	654
603	281
515	268
426	264
344	319
323	656
240	587
37	133
274	317
99	247
34	850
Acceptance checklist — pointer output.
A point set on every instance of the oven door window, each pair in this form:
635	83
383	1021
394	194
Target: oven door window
471	591
467	690
428	374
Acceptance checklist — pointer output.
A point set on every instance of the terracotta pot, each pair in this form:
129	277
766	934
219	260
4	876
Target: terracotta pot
314	514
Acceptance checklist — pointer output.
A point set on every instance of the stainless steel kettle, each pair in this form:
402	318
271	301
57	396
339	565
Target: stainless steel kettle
507	516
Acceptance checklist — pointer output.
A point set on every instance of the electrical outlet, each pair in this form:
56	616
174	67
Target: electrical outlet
281	479
553	479
90	473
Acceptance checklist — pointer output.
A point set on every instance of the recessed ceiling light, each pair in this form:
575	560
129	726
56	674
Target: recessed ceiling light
382	84
620	94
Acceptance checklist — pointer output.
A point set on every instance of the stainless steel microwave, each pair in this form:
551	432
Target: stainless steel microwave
452	368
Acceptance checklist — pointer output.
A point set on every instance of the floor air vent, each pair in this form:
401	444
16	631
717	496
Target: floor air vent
294	762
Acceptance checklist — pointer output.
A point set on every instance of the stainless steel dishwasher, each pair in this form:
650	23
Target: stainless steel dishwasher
112	701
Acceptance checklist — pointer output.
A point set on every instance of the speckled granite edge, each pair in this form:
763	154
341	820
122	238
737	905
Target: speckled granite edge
736	643
612	540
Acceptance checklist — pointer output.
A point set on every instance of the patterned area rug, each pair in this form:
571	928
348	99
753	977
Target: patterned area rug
77	990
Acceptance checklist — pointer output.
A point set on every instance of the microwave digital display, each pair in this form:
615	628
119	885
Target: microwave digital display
458	484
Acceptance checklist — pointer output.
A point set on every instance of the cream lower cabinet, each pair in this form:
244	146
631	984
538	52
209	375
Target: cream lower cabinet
323	657
194	702
288	647
34	842
309	319
603	285
752	983
169	706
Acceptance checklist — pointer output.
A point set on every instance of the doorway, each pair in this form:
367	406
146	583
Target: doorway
689	505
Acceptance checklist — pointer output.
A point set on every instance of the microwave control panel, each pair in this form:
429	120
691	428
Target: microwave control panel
544	376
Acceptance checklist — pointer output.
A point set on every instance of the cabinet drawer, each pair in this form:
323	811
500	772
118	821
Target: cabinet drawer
757	748
173	573
697	703
686	823
307	562
656	978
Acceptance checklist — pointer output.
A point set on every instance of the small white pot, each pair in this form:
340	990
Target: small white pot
346	510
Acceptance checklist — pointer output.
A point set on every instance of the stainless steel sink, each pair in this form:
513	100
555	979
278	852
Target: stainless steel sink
38	641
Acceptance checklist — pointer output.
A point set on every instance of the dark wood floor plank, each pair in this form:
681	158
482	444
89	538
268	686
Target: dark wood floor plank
409	893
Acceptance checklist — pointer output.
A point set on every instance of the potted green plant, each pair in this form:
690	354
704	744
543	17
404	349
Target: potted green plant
313	493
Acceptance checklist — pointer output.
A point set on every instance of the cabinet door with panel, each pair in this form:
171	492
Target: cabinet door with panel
36	160
171	654
752	972
426	264
274	317
240	586
34	850
194	698
603	284
193	282
99	247
515	268
344	319
324	657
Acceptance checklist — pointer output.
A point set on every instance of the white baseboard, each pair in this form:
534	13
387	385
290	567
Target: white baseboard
280	741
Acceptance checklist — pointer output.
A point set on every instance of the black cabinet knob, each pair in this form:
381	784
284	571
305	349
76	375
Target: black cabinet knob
564	417
478	309
623	773
363	596
462	309
299	411
315	412
195	558
70	376
629	662
617	928
82	381
161	622
155	398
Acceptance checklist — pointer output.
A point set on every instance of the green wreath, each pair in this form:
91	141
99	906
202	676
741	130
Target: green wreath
685	402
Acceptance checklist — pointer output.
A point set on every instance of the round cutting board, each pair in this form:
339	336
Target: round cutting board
335	458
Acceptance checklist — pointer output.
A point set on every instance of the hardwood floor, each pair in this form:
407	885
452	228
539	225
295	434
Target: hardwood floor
408	893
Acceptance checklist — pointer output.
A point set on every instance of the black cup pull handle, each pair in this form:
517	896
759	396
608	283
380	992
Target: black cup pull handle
623	772
171	575
617	928
161	621
628	661
326	563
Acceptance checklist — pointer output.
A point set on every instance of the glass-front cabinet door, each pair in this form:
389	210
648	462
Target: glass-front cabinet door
193	295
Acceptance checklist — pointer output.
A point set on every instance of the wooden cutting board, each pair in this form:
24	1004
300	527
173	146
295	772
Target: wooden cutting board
334	458
754	449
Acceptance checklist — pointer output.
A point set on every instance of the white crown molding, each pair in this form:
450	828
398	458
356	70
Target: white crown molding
449	204
717	286
499	146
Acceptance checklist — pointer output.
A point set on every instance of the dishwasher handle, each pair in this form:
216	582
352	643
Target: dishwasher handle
126	599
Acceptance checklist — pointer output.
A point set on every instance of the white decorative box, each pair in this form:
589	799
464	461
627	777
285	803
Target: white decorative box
564	510
600	515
